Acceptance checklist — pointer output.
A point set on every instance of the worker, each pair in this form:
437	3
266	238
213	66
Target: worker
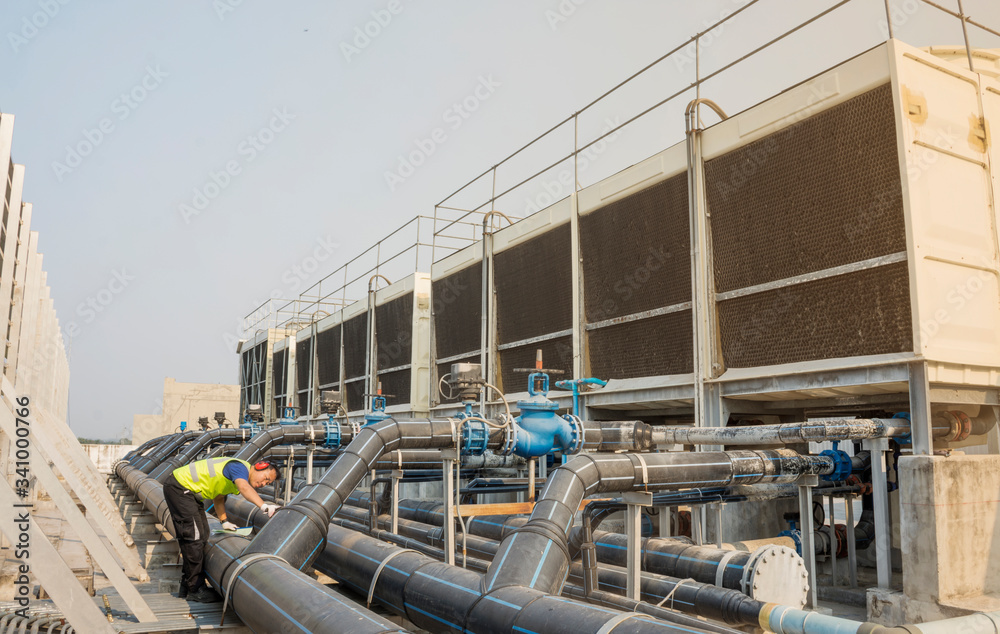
185	492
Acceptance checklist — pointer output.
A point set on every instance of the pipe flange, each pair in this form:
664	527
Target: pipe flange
333	438
776	574
962	426
355	429
475	437
510	436
577	434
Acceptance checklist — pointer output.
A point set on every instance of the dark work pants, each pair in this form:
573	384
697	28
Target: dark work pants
191	531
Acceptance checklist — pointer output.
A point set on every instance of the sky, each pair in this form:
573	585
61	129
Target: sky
201	157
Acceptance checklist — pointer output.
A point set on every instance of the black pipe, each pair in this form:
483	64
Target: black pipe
189	453
152	460
439	597
543	539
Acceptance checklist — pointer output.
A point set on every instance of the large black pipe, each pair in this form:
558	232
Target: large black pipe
153	459
195	447
543	539
440	597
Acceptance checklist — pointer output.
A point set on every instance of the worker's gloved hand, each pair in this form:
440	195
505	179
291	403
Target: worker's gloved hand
229	526
269	509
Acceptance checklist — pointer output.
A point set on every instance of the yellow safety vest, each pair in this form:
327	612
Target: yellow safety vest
205	477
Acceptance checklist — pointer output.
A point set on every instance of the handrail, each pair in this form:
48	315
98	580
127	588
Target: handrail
447	215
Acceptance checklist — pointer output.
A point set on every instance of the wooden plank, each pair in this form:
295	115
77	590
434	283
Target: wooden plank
53	573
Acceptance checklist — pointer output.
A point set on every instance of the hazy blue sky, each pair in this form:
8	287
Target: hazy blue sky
291	121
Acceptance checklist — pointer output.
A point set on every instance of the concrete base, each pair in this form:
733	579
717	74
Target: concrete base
890	608
950	535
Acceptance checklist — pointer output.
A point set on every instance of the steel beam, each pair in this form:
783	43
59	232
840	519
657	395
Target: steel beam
920	410
449	456
807	528
634	503
880	493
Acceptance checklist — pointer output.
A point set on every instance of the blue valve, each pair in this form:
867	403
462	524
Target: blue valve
333	434
287	416
539	430
841	464
377	414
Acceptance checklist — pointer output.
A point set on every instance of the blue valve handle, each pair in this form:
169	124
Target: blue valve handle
574	385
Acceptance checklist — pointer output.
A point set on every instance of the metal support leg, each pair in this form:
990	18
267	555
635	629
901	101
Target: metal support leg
807	527
447	464
698	525
665	516
880	492
288	479
852	548
920	410
309	464
633	533
833	543
396	475
718	524
531	480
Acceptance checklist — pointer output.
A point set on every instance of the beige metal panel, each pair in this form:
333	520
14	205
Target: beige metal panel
642	175
6	140
948	193
420	347
7	269
20	277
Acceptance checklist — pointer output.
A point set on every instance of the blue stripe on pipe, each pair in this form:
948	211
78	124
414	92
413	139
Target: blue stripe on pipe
435	617
541	561
333	596
447	583
653	552
309	558
502	602
526	631
502	559
647	594
290	533
275	606
363	556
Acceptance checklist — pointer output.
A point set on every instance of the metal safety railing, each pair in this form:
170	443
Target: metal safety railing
458	219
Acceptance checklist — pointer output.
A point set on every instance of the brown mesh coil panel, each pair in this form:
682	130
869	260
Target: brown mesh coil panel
656	346
328	355
636	252
278	372
394	326
355	396
355	342
818	194
533	285
861	313
458	311
303	356
445	368
396	387
557	354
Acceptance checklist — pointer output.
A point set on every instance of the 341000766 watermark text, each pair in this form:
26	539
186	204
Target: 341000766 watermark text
22	510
